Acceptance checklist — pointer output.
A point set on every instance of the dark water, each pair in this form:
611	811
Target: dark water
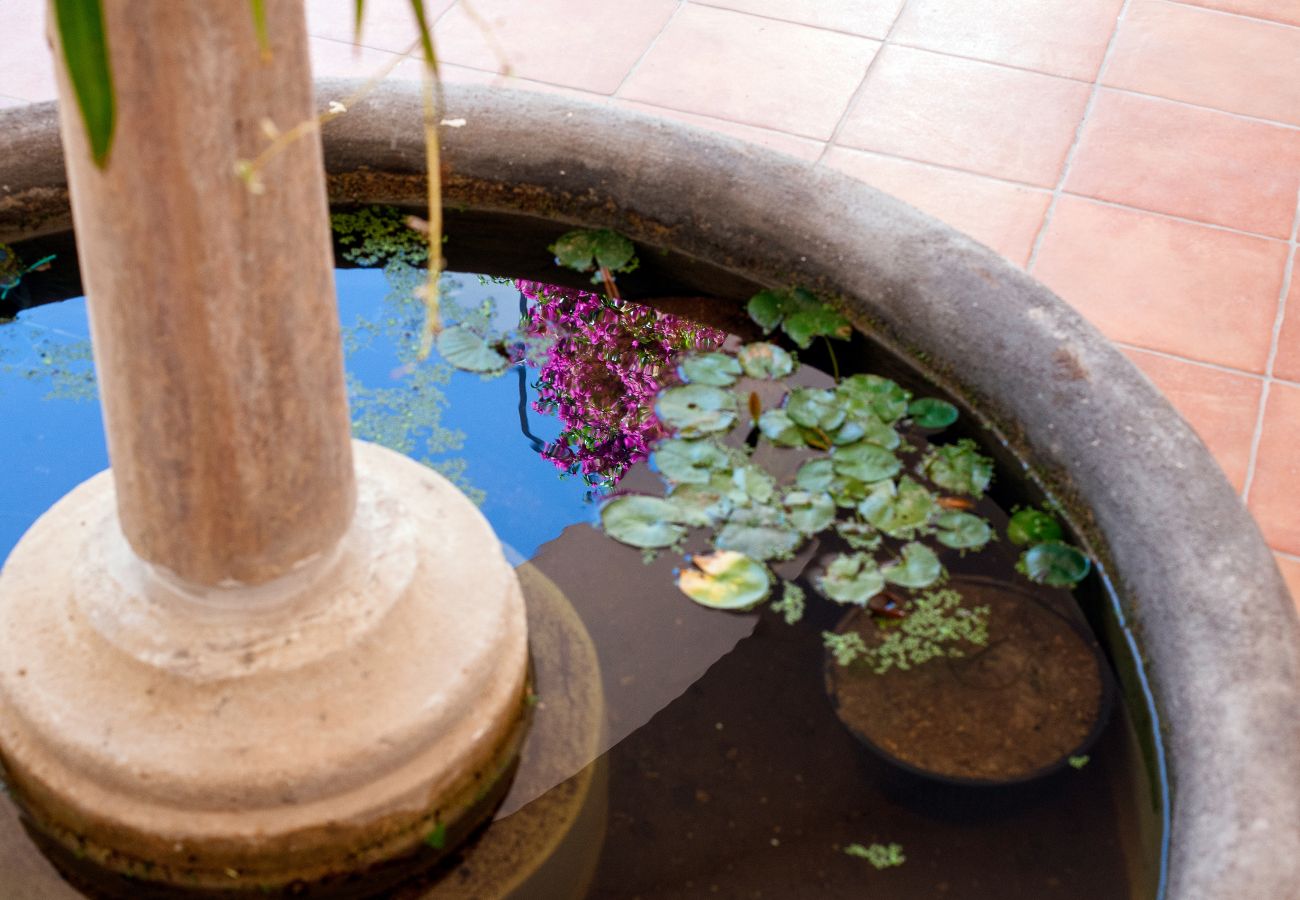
728	773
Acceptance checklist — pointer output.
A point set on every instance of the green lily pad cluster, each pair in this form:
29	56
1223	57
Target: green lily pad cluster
936	625
864	478
1047	558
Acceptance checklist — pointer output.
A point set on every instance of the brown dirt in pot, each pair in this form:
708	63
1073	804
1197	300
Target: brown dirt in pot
1014	709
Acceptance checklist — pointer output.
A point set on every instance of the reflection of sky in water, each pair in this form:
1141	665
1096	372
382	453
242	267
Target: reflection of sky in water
51	432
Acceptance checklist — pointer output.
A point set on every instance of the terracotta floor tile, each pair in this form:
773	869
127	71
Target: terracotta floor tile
575	43
1275	492
1221	406
1198	163
1274	10
334	59
1291	575
752	70
869	18
1205	57
1060	37
803	148
1190	290
971	115
1287	364
387	25
26	67
1005	217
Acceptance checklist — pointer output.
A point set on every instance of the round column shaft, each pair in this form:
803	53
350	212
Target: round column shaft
212	307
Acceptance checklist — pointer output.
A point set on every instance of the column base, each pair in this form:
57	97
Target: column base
368	708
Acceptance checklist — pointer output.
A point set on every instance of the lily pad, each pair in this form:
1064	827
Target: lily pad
717	369
469	351
799	313
689	461
764	360
1055	564
858	534
884	398
754	483
699	505
852	578
815	475
961	530
696	409
810	512
780	429
759	533
874	431
1033	526
725	580
931	412
588	249
918	567
899	511
641	521
959	468
815	408
866	462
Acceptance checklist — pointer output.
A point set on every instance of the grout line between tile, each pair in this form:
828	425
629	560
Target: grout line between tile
1165	354
1078	136
862	86
650	46
770	18
1285	555
1227	12
1177	218
1273	348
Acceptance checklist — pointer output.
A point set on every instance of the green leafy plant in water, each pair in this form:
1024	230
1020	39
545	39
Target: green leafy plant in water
846	648
1078	762
882	856
936	625
598	250
800	314
792	604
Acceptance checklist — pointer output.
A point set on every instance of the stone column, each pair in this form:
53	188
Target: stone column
255	654
212	307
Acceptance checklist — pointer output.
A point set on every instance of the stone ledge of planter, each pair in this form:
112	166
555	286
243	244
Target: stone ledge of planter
306	728
1199	591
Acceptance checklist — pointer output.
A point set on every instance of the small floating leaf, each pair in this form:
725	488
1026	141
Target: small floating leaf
814	408
810	512
437	838
852	578
689	461
780	429
823	321
858	534
754	483
642	521
959	468
1054	564
1033	526
466	350
865	462
962	530
792	603
586	250
885	399
815	475
764	360
800	314
717	369
699	505
725	580
760	534
899	511
931	412
918	567
695	409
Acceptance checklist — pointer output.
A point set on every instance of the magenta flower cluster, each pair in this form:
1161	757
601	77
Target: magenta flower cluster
607	360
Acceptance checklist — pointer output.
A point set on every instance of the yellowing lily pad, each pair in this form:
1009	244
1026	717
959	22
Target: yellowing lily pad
725	580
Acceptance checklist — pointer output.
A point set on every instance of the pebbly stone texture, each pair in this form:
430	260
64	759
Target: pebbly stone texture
1198	587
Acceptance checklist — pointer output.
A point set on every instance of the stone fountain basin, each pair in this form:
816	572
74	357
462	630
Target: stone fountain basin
1196	590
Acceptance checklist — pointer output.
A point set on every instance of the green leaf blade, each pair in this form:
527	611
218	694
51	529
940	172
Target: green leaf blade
85	52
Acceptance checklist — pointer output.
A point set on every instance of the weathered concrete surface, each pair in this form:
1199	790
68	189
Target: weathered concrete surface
1214	622
257	736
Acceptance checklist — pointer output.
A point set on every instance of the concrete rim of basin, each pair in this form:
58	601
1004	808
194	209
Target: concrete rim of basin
1199	589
